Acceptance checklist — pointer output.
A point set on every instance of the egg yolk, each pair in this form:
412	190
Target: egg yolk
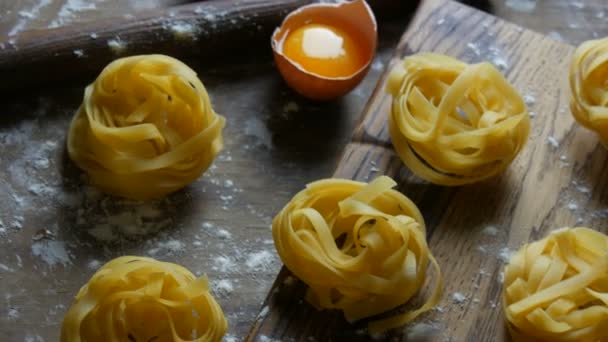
324	50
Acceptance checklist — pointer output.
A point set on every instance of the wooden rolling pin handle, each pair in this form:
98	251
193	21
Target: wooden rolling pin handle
205	30
217	30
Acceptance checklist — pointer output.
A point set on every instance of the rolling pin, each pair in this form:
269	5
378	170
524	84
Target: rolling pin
210	31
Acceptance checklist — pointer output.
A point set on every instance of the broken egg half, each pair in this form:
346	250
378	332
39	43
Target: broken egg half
324	50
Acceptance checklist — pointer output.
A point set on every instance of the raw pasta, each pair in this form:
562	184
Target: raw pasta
556	289
360	248
141	299
453	123
589	94
145	128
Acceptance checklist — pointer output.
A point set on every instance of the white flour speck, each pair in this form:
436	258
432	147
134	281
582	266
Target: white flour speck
421	331
51	252
556	36
572	206
94	265
230	338
183	30
459	298
223	287
490	230
70	10
5	268
525	6
440	22
501	277
167	248
94	35
254	127
27	15
264	312
259	261
553	142
530	100
223	264
223	234
79	53
117	45
33	338
505	254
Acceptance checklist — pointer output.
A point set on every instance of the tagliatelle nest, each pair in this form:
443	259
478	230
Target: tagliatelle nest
137	299
361	248
556	289
454	123
145	128
589	89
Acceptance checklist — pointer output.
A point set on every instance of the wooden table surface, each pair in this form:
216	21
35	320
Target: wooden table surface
55	231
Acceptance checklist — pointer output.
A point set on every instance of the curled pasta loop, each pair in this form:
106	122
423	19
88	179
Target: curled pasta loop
453	123
145	128
589	93
556	289
139	299
360	248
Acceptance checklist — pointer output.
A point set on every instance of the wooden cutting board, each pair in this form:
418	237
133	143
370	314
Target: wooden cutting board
556	181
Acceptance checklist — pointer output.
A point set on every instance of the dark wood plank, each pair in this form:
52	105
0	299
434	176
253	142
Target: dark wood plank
471	229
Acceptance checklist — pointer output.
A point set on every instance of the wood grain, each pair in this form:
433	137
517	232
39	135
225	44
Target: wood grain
547	187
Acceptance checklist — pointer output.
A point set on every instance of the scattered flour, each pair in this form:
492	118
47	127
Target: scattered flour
117	45
377	65
553	142
459	298
501	277
556	36
484	52
230	338
263	312
525	6
223	287
182	29
505	254
94	265
51	252
94	35
259	261
223	264
530	100
254	127
27	15
70	10
421	331
440	22
170	247
572	206
79	53
33	338
490	230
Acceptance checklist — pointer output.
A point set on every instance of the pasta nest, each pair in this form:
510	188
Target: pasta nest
145	128
589	89
139	299
360	248
453	123
556	289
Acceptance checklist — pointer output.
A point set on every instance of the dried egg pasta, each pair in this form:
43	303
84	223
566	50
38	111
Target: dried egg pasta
145	128
556	289
589	93
453	123
360	248
137	299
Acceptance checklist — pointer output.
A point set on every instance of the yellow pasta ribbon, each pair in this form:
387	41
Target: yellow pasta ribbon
556	289
137	299
360	248
589	93
145	128
454	123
